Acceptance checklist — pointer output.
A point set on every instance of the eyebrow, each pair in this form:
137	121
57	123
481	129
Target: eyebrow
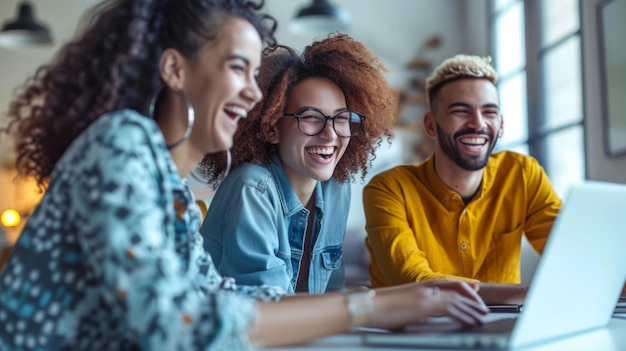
466	105
239	57
337	111
245	60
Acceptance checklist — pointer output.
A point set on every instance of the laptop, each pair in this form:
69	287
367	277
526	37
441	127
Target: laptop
575	288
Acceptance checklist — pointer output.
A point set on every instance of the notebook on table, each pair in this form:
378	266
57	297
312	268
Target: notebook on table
575	288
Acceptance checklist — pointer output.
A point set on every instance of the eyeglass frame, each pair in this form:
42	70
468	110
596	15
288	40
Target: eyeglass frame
299	113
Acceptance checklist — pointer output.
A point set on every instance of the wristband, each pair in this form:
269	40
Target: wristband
360	307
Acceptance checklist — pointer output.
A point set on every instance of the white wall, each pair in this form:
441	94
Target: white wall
599	166
394	29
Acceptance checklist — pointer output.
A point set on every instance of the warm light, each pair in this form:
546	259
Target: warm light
10	218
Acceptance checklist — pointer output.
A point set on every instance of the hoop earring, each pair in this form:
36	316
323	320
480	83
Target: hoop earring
191	116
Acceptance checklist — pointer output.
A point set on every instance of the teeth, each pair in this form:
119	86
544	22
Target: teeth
474	141
321	150
242	112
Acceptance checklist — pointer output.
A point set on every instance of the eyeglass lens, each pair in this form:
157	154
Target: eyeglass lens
346	123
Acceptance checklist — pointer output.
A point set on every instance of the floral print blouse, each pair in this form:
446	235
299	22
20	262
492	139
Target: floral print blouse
112	259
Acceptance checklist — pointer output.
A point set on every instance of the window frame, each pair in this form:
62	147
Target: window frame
535	55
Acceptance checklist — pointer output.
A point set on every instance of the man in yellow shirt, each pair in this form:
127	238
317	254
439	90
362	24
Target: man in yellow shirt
460	214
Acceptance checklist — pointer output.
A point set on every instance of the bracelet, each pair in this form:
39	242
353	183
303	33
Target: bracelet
360	306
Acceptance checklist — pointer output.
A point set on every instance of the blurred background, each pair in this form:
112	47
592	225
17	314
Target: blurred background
561	65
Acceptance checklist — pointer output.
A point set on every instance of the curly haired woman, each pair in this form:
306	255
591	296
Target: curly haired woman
112	259
279	218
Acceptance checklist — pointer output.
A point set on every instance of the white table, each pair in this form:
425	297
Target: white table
610	338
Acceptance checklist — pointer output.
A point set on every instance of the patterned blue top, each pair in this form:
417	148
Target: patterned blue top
112	259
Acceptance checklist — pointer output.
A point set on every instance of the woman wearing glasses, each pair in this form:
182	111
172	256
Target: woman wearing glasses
279	218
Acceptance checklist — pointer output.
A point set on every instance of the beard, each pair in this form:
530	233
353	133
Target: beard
472	163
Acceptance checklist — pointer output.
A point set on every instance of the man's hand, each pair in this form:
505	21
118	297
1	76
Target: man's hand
503	293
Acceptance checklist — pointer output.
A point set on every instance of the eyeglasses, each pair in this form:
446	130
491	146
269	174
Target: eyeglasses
312	122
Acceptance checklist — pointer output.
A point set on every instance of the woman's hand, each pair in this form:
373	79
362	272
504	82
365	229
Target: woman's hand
401	305
302	317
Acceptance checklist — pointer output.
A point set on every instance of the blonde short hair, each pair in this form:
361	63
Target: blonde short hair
460	66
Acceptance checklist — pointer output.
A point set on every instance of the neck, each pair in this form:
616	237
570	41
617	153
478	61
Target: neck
462	181
185	159
311	204
304	189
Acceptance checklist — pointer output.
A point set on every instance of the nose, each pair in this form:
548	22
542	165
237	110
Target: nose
252	92
328	132
477	121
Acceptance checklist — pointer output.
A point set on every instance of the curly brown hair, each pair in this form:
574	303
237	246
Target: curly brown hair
339	58
113	65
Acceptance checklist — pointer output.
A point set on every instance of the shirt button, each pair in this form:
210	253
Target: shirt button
463	246
445	202
453	196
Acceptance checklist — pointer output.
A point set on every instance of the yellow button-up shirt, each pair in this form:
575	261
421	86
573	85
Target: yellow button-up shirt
420	229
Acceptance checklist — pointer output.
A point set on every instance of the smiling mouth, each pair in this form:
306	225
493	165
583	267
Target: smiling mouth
475	142
236	111
324	152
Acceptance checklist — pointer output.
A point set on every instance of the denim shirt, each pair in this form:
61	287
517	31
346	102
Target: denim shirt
255	228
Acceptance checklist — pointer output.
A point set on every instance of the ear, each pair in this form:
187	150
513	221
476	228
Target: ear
273	135
430	126
171	69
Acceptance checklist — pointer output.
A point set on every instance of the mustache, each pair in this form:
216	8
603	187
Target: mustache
474	132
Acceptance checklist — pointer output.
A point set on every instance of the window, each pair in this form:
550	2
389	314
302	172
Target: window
536	46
